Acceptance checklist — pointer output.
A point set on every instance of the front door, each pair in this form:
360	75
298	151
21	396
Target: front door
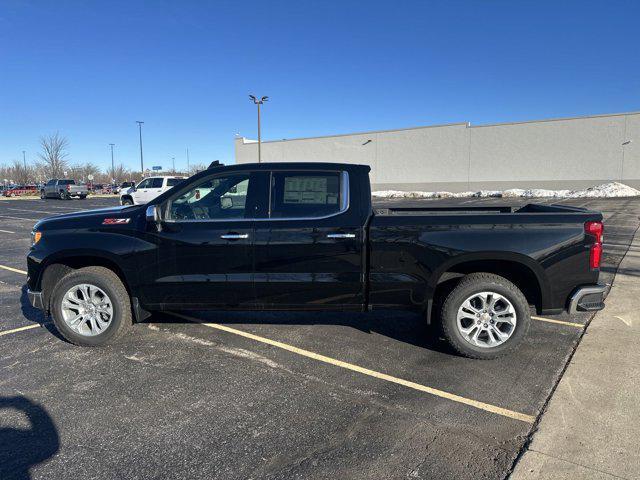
141	194
309	252
205	255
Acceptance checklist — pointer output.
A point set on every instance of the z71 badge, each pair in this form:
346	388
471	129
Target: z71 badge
115	221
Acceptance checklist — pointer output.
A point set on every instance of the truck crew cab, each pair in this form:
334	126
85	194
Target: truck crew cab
305	236
148	189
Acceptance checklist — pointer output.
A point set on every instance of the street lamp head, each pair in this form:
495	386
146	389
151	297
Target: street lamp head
260	101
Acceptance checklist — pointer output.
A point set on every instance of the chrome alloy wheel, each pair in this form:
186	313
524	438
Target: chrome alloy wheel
87	309
486	319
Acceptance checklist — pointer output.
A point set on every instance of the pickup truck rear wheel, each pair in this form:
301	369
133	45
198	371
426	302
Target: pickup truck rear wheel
91	307
42	195
485	316
63	195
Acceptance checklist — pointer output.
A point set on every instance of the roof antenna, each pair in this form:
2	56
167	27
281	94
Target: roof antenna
214	164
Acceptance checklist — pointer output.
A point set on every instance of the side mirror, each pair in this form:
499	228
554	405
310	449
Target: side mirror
153	217
152	214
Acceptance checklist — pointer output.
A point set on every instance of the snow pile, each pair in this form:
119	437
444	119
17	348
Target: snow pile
606	190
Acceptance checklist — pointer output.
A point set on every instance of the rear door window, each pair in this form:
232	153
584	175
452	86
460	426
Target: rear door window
306	194
172	182
156	183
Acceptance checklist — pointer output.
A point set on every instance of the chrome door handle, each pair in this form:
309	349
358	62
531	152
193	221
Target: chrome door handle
234	236
341	235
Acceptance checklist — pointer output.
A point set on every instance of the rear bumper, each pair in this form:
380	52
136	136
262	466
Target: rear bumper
35	299
588	298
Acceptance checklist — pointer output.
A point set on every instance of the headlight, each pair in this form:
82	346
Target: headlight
35	237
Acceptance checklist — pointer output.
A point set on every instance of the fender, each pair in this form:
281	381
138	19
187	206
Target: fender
513	257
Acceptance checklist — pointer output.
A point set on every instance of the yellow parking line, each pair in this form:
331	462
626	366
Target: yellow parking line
11	269
20	329
372	373
559	322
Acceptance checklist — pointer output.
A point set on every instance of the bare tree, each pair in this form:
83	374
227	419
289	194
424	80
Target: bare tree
21	173
195	168
119	174
54	154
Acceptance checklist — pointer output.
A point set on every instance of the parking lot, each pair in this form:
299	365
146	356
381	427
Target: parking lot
270	395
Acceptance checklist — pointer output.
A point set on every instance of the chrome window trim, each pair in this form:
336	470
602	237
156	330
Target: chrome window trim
344	195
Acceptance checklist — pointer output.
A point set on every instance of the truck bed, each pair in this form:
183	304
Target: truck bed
382	210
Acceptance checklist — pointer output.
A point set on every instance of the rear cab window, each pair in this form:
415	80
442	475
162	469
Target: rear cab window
66	182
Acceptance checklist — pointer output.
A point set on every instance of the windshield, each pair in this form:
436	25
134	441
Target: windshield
66	182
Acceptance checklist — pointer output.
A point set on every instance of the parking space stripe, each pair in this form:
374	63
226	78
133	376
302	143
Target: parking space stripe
6	231
11	269
372	373
559	322
20	329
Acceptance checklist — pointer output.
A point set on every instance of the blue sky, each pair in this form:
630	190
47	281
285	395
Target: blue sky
90	69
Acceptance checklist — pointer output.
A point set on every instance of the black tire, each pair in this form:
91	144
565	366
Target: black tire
63	195
111	284
82	197
42	195
126	201
484	282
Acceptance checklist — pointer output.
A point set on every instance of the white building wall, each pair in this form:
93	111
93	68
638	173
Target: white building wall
564	153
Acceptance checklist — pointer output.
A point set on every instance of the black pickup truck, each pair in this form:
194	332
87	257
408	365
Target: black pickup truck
305	236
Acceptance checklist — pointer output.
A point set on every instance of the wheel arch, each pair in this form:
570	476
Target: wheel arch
519	269
57	266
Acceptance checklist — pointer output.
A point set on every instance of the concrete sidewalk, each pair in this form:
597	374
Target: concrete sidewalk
591	428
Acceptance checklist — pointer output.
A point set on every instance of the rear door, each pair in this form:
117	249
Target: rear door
309	249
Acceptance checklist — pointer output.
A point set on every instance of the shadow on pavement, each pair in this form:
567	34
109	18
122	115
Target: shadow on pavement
22	448
401	326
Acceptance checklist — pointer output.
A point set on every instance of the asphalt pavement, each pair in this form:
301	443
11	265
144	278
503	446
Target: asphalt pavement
269	395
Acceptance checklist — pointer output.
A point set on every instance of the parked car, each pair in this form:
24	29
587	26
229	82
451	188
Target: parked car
148	189
304	236
64	189
123	187
20	190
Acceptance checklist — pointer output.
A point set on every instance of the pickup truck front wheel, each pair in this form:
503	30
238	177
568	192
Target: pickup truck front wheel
485	316
90	307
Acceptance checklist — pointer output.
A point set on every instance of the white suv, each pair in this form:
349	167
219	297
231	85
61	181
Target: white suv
148	189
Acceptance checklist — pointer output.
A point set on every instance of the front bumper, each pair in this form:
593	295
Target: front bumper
35	299
588	298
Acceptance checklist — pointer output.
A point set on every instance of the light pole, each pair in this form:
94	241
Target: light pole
141	160
259	102
113	170
173	164
187	162
24	162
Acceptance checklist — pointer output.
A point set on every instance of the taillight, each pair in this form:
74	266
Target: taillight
595	229
68	188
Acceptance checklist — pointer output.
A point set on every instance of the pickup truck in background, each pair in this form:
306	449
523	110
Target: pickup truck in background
305	236
63	189
148	189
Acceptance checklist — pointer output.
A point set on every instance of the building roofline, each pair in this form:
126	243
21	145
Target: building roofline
248	141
